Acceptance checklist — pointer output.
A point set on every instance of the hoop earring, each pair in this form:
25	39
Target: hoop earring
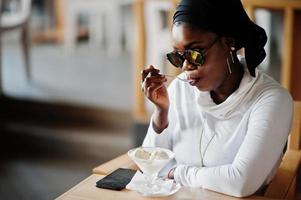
229	67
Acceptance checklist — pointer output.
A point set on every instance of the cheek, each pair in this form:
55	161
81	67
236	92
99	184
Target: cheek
217	75
215	71
217	63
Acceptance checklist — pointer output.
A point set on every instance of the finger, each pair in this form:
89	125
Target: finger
155	79
149	81
150	70
150	91
157	88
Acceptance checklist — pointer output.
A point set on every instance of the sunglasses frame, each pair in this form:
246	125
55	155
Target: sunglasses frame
184	56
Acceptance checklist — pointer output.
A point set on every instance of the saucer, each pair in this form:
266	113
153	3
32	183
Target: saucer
166	187
162	192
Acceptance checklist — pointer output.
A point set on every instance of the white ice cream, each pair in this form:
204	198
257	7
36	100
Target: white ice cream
159	155
151	162
155	155
142	154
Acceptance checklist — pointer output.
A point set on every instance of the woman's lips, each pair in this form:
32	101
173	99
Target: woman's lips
193	81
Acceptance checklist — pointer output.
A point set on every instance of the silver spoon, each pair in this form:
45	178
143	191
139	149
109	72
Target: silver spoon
181	79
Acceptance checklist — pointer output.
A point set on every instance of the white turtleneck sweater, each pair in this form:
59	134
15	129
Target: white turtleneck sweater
241	140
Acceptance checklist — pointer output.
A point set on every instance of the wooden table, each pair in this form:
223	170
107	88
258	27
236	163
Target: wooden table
86	190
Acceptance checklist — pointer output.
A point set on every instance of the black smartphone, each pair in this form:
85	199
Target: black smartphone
117	180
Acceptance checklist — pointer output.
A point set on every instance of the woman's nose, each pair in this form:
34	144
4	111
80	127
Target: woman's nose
187	66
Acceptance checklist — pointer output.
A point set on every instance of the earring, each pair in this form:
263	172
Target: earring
231	54
232	58
229	67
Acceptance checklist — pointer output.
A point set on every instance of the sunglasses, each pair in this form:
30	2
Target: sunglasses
177	58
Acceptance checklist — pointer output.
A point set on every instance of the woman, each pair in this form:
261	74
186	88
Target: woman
228	124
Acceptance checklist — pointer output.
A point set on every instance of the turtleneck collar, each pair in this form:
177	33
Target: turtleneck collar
233	102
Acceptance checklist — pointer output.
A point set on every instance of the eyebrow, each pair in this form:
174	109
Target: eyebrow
190	44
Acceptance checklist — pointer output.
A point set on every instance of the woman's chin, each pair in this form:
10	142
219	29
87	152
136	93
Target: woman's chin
202	88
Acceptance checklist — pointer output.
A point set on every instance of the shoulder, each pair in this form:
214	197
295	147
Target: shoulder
265	87
271	89
270	92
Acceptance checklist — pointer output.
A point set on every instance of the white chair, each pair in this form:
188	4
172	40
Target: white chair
104	17
158	35
158	41
17	19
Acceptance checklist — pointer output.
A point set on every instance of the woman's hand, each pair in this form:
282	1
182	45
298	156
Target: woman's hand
171	172
154	89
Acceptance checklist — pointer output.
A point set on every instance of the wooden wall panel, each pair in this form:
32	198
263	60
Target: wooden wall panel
296	57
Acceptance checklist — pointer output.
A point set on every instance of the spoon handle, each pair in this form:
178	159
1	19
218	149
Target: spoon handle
184	80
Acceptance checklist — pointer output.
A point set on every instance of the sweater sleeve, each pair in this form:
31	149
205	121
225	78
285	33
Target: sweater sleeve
268	129
153	139
164	139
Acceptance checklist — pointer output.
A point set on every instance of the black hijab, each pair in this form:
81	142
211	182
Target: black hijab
226	18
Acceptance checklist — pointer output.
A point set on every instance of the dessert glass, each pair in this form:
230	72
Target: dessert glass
151	167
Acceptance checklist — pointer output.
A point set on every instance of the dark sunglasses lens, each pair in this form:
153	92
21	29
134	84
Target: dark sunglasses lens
195	57
175	59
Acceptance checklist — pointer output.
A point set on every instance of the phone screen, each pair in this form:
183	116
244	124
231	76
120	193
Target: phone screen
117	180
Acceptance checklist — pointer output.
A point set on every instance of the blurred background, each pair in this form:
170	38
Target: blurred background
70	73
